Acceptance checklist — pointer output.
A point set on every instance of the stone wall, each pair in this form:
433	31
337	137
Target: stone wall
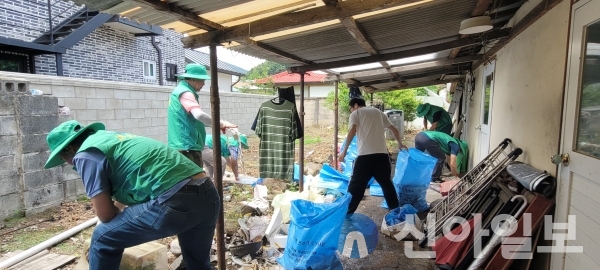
315	112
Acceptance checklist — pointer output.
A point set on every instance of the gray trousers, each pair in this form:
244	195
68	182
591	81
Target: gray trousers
424	143
209	162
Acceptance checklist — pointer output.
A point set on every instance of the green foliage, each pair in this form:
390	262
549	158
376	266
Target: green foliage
263	70
590	96
343	101
404	100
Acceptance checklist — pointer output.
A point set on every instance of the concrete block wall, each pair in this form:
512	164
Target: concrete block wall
315	112
26	120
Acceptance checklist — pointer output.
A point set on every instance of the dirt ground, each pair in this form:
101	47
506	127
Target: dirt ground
21	233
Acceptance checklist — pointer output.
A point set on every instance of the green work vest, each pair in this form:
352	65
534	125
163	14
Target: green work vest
141	168
224	146
184	131
443	139
444	120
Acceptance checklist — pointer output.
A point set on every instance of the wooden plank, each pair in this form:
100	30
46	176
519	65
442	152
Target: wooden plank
403	68
49	261
358	35
271	10
183	15
283	22
257	45
537	12
401	54
330	2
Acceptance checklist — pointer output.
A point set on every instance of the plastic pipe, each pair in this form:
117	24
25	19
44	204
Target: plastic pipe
46	244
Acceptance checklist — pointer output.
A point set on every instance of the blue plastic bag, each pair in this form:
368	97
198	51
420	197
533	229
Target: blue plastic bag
375	190
348	165
412	178
332	179
398	215
314	234
296	172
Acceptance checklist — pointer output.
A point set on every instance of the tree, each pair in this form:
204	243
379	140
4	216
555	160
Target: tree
343	101
404	100
264	70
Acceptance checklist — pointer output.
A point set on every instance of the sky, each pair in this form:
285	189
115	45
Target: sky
235	58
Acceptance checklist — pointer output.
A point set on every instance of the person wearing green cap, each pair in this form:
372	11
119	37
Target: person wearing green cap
230	150
438	117
439	145
186	121
165	193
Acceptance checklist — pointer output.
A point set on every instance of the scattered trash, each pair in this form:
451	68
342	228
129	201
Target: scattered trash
64	110
35	92
395	221
246	249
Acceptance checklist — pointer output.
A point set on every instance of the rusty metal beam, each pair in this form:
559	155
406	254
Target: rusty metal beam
402	54
283	22
257	45
403	68
183	15
404	78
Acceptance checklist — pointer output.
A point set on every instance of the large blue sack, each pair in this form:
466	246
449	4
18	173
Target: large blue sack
314	234
412	178
351	155
332	179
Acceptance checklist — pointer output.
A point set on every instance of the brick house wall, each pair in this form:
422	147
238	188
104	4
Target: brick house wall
106	54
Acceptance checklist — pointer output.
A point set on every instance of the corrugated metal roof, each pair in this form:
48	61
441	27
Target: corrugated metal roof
204	59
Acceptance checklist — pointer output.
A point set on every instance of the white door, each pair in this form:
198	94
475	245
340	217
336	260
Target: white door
485	119
579	181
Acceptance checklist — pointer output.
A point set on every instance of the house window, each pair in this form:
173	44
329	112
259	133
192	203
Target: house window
171	70
149	69
12	62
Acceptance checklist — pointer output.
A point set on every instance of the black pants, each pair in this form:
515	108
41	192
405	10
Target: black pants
365	167
424	143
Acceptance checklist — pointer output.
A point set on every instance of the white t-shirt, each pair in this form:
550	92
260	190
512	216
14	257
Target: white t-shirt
370	130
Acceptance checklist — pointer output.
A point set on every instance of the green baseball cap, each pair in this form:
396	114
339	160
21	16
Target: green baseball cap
194	71
62	135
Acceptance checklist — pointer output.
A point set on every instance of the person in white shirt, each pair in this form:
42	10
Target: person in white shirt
369	125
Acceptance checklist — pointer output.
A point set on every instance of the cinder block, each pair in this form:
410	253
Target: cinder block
75	103
8	125
37	124
144	104
34	161
33	143
114	103
7	105
159	122
9	181
85	92
130	104
68	173
137	114
87	115
65	91
105	93
106	115
116	124
147	256
8	145
46	196
151	113
11	205
150	95
37	179
123	114
95	103
139	95
74	189
122	94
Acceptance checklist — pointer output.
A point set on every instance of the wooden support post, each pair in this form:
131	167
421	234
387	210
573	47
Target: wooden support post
301	154
335	125
216	134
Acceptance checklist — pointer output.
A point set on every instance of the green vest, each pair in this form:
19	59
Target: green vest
141	168
224	146
184	131
443	139
444	120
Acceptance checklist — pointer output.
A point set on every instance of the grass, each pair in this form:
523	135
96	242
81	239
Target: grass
308	140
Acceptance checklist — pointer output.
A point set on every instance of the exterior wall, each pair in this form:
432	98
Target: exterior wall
106	54
528	88
225	81
310	90
315	113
